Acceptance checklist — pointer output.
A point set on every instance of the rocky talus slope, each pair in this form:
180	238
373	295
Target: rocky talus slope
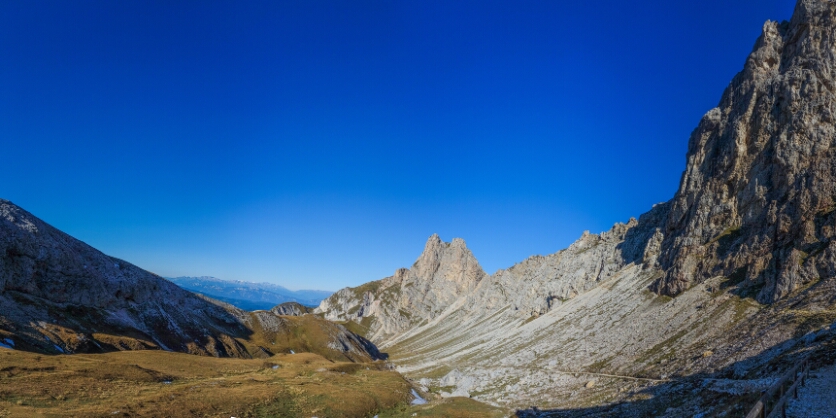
694	308
59	295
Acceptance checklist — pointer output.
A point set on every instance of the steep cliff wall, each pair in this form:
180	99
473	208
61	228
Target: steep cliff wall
758	194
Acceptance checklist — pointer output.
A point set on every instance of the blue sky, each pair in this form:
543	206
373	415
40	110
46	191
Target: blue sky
317	144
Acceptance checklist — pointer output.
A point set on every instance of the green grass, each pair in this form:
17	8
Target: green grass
726	240
664	350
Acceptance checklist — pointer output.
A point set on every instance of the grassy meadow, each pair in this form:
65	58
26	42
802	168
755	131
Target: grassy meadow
163	384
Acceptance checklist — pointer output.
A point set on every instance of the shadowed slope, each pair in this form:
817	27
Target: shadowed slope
59	295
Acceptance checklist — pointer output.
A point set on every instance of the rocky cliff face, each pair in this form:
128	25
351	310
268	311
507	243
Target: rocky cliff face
758	195
59	295
441	275
540	283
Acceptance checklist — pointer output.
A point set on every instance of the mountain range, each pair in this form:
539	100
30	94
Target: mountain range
249	296
693	309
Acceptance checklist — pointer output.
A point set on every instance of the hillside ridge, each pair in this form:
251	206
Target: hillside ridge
59	295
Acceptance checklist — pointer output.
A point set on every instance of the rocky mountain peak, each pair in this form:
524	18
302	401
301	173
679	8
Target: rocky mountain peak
447	262
444	272
756	200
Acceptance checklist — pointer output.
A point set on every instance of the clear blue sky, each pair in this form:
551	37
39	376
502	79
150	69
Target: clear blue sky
317	144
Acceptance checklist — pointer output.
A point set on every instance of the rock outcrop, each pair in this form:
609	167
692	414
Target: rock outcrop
291	309
442	274
59	295
758	196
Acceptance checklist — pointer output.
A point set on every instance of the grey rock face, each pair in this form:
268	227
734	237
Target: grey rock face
443	273
758	195
540	283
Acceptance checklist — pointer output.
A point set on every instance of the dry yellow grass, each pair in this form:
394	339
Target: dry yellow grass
163	384
307	333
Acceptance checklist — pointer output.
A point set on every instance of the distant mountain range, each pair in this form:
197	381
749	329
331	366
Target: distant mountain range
249	296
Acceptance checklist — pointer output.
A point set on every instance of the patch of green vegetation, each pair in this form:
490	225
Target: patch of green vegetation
372	287
658	350
281	406
361	328
740	307
599	366
438	372
803	258
726	240
807	321
661	299
439	389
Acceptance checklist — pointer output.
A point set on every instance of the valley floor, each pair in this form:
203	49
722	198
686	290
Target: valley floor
164	384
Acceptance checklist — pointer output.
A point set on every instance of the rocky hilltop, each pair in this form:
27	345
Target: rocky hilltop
291	309
703	300
59	295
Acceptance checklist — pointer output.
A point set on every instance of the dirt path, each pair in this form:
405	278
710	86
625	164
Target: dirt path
817	398
614	376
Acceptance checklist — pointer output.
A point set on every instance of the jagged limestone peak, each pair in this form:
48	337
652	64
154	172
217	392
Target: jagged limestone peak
443	261
756	197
